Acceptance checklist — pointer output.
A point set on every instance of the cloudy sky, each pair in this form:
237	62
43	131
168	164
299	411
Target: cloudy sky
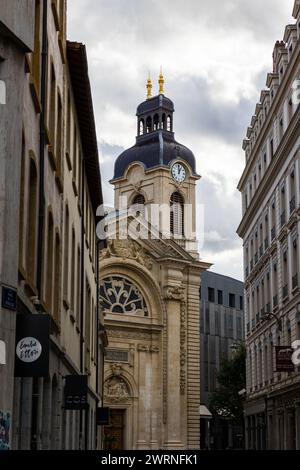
215	56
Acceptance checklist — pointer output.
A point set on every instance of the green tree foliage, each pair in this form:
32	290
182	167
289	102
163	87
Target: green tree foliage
226	400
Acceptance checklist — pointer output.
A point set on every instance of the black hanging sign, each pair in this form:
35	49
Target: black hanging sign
102	416
76	391
32	345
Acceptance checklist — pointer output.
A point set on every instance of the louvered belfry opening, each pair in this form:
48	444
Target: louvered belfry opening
177	215
139	201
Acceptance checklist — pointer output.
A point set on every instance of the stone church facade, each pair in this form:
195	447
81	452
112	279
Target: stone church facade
149	292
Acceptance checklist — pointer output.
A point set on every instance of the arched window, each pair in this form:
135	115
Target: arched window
31	227
149	124
49	257
66	253
141	127
56	290
169	124
138	204
156	122
59	134
118	295
177	215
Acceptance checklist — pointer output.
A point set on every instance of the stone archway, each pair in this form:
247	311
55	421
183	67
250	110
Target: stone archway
118	396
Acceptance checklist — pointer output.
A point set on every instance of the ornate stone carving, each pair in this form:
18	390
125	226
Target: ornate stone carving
127	249
143	347
118	295
154	349
116	390
116	369
182	348
175	293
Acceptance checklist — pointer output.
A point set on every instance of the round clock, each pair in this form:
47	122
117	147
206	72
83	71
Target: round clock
178	172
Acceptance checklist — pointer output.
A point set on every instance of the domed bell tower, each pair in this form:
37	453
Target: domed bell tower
159	173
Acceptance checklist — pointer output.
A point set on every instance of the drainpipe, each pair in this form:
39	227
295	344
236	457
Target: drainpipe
42	153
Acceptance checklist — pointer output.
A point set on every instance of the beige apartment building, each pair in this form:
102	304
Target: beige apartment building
56	184
270	227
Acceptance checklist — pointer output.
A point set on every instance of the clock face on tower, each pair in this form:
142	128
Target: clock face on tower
178	172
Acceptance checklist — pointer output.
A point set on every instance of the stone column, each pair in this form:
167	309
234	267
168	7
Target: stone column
142	403
155	418
173	437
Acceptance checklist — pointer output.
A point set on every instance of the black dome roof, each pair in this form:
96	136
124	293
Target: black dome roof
155	144
156	151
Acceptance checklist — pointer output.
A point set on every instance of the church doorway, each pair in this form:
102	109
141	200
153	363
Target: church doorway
114	433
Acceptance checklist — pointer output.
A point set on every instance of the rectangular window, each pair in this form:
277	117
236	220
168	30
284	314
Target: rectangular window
232	300
220	297
211	294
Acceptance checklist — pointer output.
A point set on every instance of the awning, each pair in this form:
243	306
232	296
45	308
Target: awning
204	412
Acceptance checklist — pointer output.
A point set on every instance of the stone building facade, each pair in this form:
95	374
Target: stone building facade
270	230
52	193
149	290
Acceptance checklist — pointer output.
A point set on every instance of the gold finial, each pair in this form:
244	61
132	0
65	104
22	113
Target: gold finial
149	87
161	82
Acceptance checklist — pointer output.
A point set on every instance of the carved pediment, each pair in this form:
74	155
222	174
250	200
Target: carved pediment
127	249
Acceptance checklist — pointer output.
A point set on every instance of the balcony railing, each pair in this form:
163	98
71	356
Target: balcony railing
292	204
275	301
266	243
273	233
282	219
285	291
295	281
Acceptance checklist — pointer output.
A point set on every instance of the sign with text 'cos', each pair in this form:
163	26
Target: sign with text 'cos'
76	391
32	345
284	361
